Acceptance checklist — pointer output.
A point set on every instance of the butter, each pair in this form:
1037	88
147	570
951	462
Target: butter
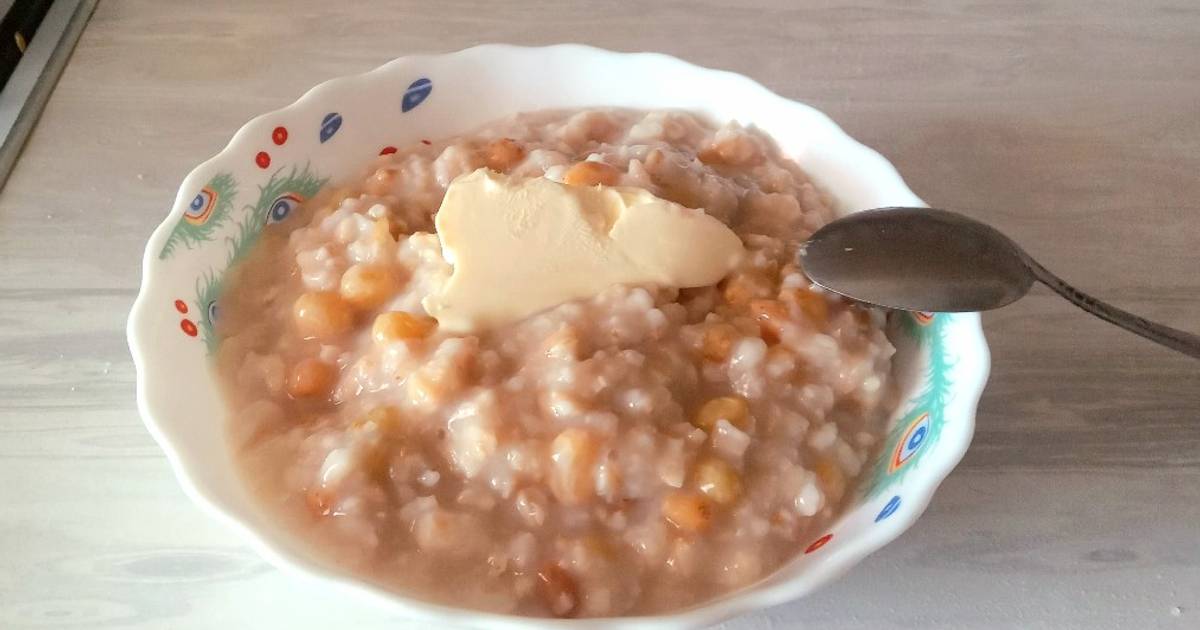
519	247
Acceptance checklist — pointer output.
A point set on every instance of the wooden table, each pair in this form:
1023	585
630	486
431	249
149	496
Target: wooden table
1073	126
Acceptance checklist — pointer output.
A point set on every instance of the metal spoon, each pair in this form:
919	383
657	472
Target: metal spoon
922	259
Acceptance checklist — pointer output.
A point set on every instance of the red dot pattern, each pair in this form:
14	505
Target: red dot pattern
279	135
181	306
388	150
818	543
263	159
188	327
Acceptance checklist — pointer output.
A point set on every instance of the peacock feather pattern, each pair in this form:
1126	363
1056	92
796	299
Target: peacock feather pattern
208	288
205	214
921	423
277	199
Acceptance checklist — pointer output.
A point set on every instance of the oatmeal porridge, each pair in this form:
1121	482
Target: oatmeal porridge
631	446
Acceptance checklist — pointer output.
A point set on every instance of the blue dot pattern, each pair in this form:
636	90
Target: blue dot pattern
330	125
892	505
417	91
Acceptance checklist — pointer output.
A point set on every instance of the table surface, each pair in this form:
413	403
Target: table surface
1075	129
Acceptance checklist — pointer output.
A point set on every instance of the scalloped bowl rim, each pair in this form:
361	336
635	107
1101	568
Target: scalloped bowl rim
969	341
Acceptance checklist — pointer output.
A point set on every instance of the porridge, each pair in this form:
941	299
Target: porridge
629	447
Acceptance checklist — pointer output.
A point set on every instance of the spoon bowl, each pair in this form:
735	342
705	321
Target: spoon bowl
917	259
924	259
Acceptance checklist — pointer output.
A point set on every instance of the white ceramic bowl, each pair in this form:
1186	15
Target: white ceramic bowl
330	134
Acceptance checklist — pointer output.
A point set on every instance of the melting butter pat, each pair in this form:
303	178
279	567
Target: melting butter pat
522	246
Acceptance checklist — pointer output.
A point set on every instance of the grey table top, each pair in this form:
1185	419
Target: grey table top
1072	126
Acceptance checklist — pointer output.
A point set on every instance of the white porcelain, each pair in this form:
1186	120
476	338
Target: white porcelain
942	362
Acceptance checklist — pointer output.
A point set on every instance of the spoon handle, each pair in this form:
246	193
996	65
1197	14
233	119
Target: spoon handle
1172	338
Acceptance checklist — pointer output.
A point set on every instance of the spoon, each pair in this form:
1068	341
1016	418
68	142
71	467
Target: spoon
922	259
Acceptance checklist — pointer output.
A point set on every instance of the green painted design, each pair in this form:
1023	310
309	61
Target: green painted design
205	214
208	288
911	327
897	458
297	184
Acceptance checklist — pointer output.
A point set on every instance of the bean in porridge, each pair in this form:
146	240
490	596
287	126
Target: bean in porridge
641	446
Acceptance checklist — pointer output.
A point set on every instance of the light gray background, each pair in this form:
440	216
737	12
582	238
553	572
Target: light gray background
1073	126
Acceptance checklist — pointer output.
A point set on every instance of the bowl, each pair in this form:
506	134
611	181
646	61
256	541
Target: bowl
334	130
